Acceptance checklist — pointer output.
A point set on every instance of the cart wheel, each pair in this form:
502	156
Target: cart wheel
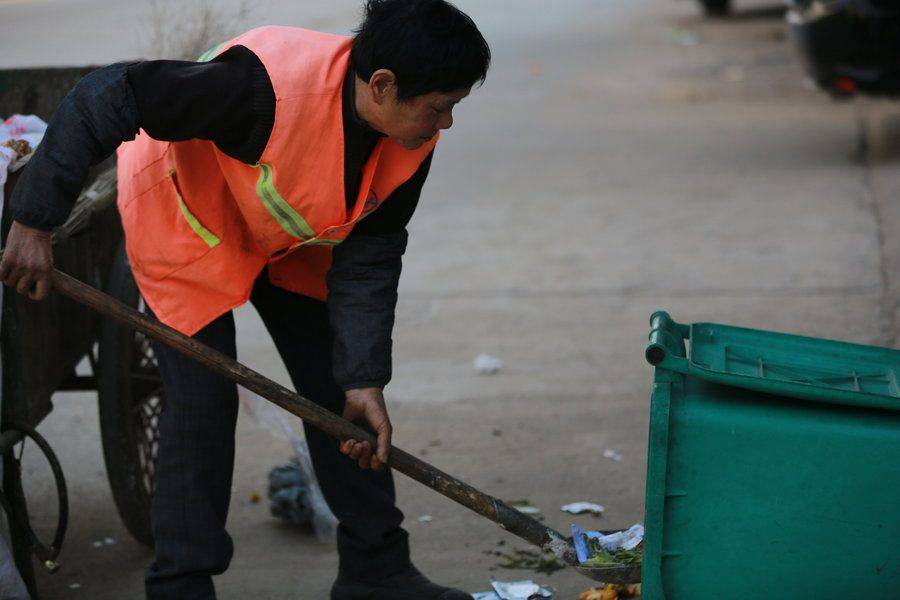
131	400
716	8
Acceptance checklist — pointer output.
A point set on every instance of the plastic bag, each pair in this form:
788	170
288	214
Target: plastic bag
293	488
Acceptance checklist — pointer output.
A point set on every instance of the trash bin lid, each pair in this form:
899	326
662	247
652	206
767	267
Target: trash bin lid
784	364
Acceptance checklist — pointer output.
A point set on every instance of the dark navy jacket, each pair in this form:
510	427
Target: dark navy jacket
230	102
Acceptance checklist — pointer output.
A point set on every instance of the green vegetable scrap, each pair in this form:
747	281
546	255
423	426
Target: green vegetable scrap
528	559
620	558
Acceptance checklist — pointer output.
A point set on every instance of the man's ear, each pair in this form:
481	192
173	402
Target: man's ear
383	85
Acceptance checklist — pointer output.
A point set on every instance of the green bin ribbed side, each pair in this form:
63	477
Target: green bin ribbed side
764	495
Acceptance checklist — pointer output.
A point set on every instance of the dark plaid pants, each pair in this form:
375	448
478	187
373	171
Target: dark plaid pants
196	456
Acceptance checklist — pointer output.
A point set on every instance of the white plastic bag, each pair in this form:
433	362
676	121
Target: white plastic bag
274	419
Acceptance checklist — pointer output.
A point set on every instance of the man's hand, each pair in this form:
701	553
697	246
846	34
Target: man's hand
366	405
27	261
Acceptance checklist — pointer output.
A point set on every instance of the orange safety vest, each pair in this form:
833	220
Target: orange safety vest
200	225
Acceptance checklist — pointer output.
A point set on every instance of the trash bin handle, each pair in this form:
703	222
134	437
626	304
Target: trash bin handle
666	347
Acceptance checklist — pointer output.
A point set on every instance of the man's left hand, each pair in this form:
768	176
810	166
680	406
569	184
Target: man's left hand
367	405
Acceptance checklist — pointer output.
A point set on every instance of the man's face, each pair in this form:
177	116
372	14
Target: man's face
416	120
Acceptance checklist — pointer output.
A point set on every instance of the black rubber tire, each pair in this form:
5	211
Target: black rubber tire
716	8
131	398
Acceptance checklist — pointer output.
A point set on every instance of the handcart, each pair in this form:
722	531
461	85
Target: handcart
42	343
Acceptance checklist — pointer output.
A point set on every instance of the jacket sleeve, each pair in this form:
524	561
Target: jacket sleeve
228	101
362	288
93	119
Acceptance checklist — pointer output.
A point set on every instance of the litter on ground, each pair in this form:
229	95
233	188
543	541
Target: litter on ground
578	508
514	590
612	591
532	560
610	453
524	507
294	493
485	364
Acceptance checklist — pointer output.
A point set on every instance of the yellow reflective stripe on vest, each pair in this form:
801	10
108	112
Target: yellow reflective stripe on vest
288	218
205	234
210	54
323	242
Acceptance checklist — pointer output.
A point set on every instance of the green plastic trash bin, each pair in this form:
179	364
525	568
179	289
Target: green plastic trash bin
773	467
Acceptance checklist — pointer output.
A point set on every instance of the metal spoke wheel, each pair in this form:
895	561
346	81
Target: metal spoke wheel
131	400
146	406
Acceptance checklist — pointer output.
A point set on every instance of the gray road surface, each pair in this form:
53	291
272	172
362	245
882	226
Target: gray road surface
623	157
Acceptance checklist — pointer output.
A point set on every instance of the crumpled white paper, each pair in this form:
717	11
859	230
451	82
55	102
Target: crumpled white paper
486	364
577	508
621	540
610	453
514	590
527	509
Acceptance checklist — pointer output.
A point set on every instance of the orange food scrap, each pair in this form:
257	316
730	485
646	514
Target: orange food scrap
591	594
612	591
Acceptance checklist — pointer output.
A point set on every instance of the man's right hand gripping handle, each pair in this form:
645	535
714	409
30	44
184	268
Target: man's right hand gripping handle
27	261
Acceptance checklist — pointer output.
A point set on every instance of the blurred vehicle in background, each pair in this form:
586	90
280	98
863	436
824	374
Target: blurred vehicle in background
715	8
849	46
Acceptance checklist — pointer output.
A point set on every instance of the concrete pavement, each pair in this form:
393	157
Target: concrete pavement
623	157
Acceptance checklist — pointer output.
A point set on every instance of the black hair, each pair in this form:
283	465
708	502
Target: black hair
430	45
